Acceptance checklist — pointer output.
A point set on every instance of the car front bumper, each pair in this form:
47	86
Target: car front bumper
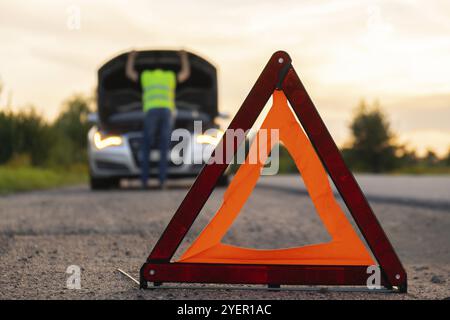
123	161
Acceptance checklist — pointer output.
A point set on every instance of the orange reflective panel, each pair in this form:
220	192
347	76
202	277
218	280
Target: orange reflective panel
345	247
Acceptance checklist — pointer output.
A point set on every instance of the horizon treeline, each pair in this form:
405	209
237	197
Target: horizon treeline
28	139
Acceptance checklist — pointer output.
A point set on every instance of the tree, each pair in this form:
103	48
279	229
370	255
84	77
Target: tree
72	120
371	148
6	136
71	128
430	159
407	157
446	160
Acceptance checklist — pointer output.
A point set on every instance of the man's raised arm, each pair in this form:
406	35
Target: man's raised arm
130	71
185	71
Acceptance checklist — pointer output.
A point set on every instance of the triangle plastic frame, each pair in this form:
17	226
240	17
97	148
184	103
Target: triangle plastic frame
277	74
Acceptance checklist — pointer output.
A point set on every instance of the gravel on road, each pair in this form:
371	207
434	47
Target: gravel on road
44	232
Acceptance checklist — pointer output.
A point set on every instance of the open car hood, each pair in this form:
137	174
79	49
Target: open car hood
119	99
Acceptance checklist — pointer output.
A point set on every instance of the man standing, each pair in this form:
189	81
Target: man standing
158	103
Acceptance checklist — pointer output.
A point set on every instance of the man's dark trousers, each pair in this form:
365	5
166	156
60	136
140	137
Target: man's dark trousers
157	122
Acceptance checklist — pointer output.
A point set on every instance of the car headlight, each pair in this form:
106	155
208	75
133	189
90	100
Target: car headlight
105	141
213	139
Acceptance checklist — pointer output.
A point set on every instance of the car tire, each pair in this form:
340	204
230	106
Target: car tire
103	183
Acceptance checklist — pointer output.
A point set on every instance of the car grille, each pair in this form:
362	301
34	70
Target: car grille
136	145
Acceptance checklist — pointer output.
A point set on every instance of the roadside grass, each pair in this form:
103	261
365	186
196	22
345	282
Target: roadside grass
26	178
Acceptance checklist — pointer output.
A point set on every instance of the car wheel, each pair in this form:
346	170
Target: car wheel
103	183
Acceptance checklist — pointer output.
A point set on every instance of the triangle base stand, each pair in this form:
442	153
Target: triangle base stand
278	74
271	275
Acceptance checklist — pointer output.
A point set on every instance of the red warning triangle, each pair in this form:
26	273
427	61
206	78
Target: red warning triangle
345	248
342	261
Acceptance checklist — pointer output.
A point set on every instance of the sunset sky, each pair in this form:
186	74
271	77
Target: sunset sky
395	51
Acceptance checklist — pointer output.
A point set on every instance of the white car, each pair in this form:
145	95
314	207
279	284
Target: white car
114	142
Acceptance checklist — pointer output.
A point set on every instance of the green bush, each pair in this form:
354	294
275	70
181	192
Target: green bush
24	132
61	143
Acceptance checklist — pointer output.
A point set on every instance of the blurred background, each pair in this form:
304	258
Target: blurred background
376	70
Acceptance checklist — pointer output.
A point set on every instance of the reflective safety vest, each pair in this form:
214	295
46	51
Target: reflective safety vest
158	89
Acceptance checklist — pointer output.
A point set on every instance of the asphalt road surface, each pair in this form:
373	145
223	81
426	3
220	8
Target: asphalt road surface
44	232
